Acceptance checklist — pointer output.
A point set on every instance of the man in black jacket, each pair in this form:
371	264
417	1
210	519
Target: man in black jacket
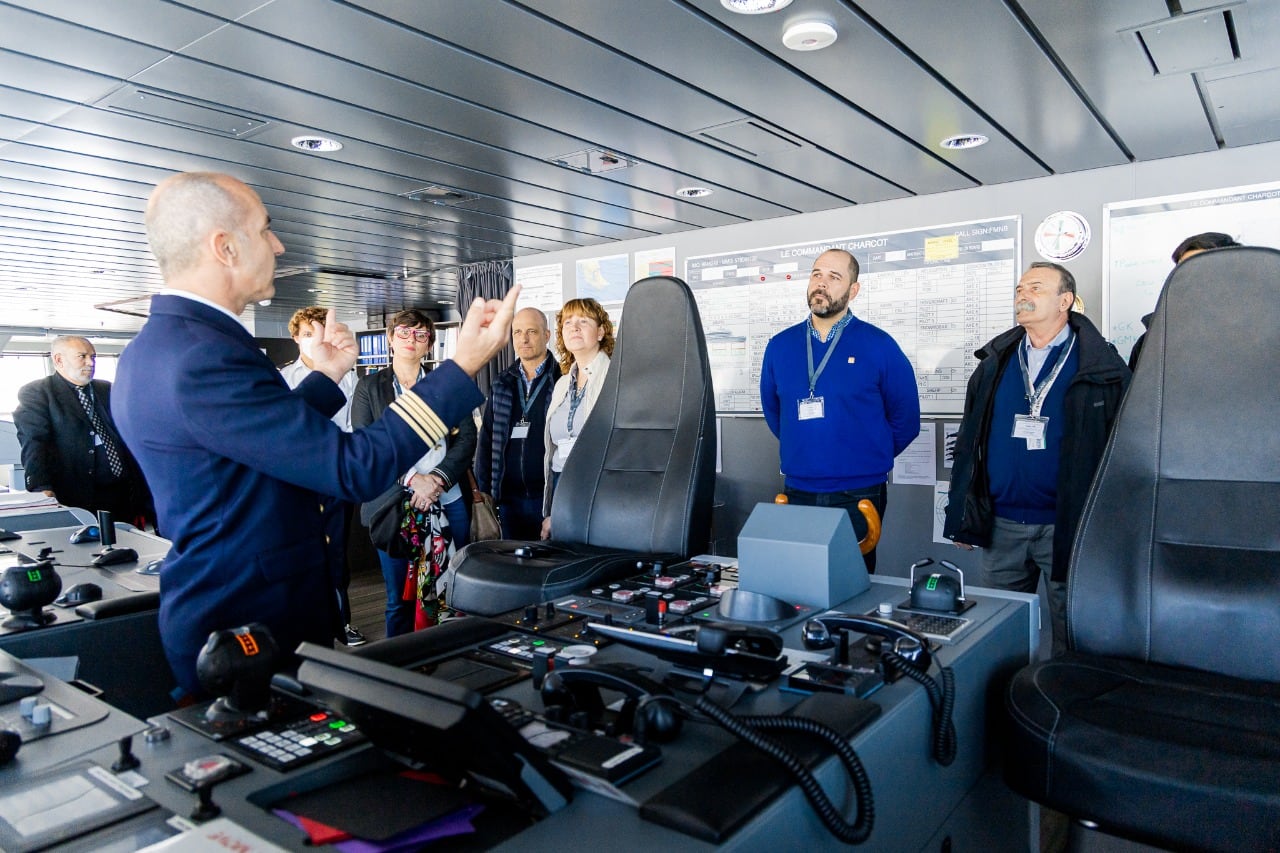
1037	415
70	447
510	449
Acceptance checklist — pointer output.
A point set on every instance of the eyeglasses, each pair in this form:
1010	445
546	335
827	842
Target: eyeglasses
419	335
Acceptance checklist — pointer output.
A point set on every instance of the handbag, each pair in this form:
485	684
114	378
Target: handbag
484	514
384	516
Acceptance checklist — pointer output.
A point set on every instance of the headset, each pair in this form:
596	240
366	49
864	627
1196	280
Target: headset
648	713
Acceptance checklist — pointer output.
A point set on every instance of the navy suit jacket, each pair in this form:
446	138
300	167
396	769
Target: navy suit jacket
237	463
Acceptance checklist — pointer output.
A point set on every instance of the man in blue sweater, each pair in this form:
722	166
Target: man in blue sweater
841	397
1037	414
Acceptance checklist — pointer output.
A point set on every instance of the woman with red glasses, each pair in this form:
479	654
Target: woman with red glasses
437	484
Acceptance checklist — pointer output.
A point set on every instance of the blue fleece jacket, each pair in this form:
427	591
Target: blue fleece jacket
871	407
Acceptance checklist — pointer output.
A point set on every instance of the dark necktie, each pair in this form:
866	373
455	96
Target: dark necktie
108	443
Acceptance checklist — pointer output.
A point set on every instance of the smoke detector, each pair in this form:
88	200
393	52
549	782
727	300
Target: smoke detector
809	35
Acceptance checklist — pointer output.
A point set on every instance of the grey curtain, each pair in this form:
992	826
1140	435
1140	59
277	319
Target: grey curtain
491	280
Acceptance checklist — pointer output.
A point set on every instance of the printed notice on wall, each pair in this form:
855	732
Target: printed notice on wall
917	465
942	292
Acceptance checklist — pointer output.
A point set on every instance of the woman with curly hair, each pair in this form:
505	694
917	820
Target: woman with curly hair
584	342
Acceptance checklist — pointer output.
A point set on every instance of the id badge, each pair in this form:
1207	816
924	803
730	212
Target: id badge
1032	429
810	408
520	430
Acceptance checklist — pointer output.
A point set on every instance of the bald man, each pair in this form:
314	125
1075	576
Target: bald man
238	460
71	449
510	448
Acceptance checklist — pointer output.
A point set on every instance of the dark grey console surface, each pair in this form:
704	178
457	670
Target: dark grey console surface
914	796
118	653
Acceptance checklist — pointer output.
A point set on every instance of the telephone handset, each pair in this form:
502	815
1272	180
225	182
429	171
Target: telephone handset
820	633
643	715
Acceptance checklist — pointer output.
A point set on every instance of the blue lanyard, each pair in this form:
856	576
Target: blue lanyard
831	347
575	396
527	396
1036	395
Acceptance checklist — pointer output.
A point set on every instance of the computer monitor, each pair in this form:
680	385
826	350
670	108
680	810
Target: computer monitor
449	729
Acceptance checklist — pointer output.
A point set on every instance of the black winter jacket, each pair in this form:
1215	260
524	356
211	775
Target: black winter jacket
1091	403
495	426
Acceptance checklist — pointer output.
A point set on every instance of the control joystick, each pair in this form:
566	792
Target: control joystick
236	665
25	588
110	555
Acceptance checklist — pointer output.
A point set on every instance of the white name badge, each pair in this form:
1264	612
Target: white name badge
810	408
520	430
1032	429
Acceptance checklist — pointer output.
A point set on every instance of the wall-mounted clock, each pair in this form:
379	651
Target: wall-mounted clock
1062	236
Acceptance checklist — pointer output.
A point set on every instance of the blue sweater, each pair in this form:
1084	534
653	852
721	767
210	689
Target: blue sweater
871	407
1024	483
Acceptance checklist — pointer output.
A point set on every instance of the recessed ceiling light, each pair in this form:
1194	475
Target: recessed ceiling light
446	301
963	140
693	192
314	290
315	144
809	35
754	7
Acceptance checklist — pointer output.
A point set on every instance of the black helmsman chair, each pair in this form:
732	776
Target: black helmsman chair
1162	723
638	485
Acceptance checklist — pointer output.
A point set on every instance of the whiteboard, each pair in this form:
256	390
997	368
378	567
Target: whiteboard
941	292
1141	235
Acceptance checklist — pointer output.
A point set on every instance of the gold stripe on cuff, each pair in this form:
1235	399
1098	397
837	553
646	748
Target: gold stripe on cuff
420	417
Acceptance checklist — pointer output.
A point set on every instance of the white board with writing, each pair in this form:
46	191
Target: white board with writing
941	292
1140	237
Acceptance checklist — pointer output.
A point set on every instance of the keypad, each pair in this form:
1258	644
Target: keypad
301	742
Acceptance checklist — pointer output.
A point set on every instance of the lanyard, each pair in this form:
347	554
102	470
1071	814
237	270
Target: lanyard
1035	396
831	347
575	396
527	396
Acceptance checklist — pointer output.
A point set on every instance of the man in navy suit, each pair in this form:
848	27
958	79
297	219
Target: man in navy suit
238	461
71	449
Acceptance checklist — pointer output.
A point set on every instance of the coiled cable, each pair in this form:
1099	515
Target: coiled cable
750	729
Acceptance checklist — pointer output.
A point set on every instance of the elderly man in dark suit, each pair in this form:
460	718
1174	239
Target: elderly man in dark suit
71	449
237	460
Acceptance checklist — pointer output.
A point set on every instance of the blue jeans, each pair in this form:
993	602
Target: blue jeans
521	518
395	570
848	501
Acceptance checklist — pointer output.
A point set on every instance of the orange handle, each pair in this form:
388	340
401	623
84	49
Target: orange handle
868	510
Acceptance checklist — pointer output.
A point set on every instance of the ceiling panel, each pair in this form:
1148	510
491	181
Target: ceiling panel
482	97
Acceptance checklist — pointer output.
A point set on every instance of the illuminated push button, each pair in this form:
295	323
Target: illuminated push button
885	609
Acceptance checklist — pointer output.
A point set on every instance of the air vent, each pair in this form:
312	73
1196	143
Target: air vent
344	272
184	113
750	137
593	161
437	194
1191	42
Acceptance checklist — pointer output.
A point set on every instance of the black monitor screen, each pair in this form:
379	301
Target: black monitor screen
447	728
